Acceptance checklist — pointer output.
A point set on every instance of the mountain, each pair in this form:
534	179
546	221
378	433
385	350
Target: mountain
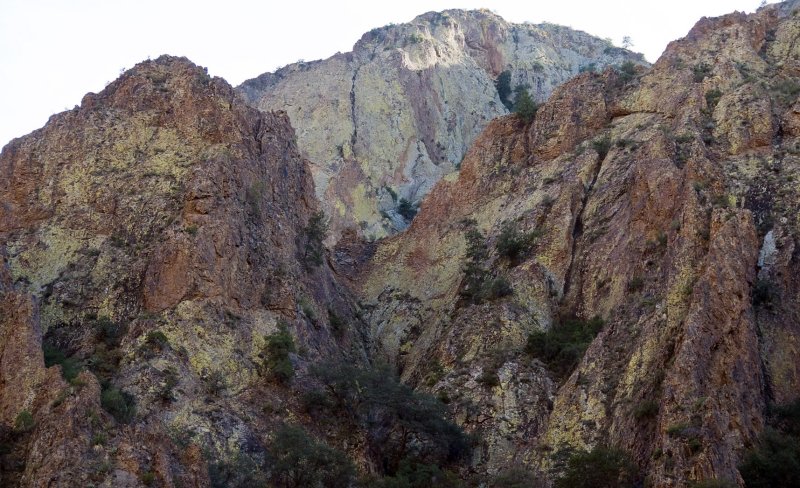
383	123
605	293
161	229
663	202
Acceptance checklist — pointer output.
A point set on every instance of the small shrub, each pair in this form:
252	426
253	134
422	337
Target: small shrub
99	439
120	404
337	324
108	331
23	422
148	478
563	345
700	72
70	366
254	195
307	308
513	244
627	71
276	350
489	379
156	339
602	467
645	410
635	284
167	390
191	230
601	146
677	430
407	209
712	98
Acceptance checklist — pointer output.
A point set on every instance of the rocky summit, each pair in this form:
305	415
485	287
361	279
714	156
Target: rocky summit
603	293
383	123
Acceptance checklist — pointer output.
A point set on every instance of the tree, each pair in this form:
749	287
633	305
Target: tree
402	424
276	351
503	85
479	283
627	42
524	106
315	233
299	461
407	209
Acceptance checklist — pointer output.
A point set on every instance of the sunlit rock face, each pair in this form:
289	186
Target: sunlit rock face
383	123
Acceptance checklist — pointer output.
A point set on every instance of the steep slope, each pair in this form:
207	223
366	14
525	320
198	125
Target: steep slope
155	237
665	201
383	123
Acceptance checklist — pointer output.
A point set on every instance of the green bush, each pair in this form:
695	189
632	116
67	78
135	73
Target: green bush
299	461
563	345
602	467
120	404
24	421
277	348
70	366
513	244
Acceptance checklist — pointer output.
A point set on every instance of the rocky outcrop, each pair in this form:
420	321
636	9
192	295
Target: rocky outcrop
160	228
383	123
651	192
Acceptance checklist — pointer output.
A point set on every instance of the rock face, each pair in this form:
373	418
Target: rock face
383	123
651	192
161	228
157	239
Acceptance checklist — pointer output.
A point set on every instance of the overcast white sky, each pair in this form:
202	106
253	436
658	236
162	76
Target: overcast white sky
52	52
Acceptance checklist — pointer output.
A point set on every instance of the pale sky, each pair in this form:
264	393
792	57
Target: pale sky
52	52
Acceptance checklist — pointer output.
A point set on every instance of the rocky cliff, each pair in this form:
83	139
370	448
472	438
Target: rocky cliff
383	123
154	238
664	202
619	271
